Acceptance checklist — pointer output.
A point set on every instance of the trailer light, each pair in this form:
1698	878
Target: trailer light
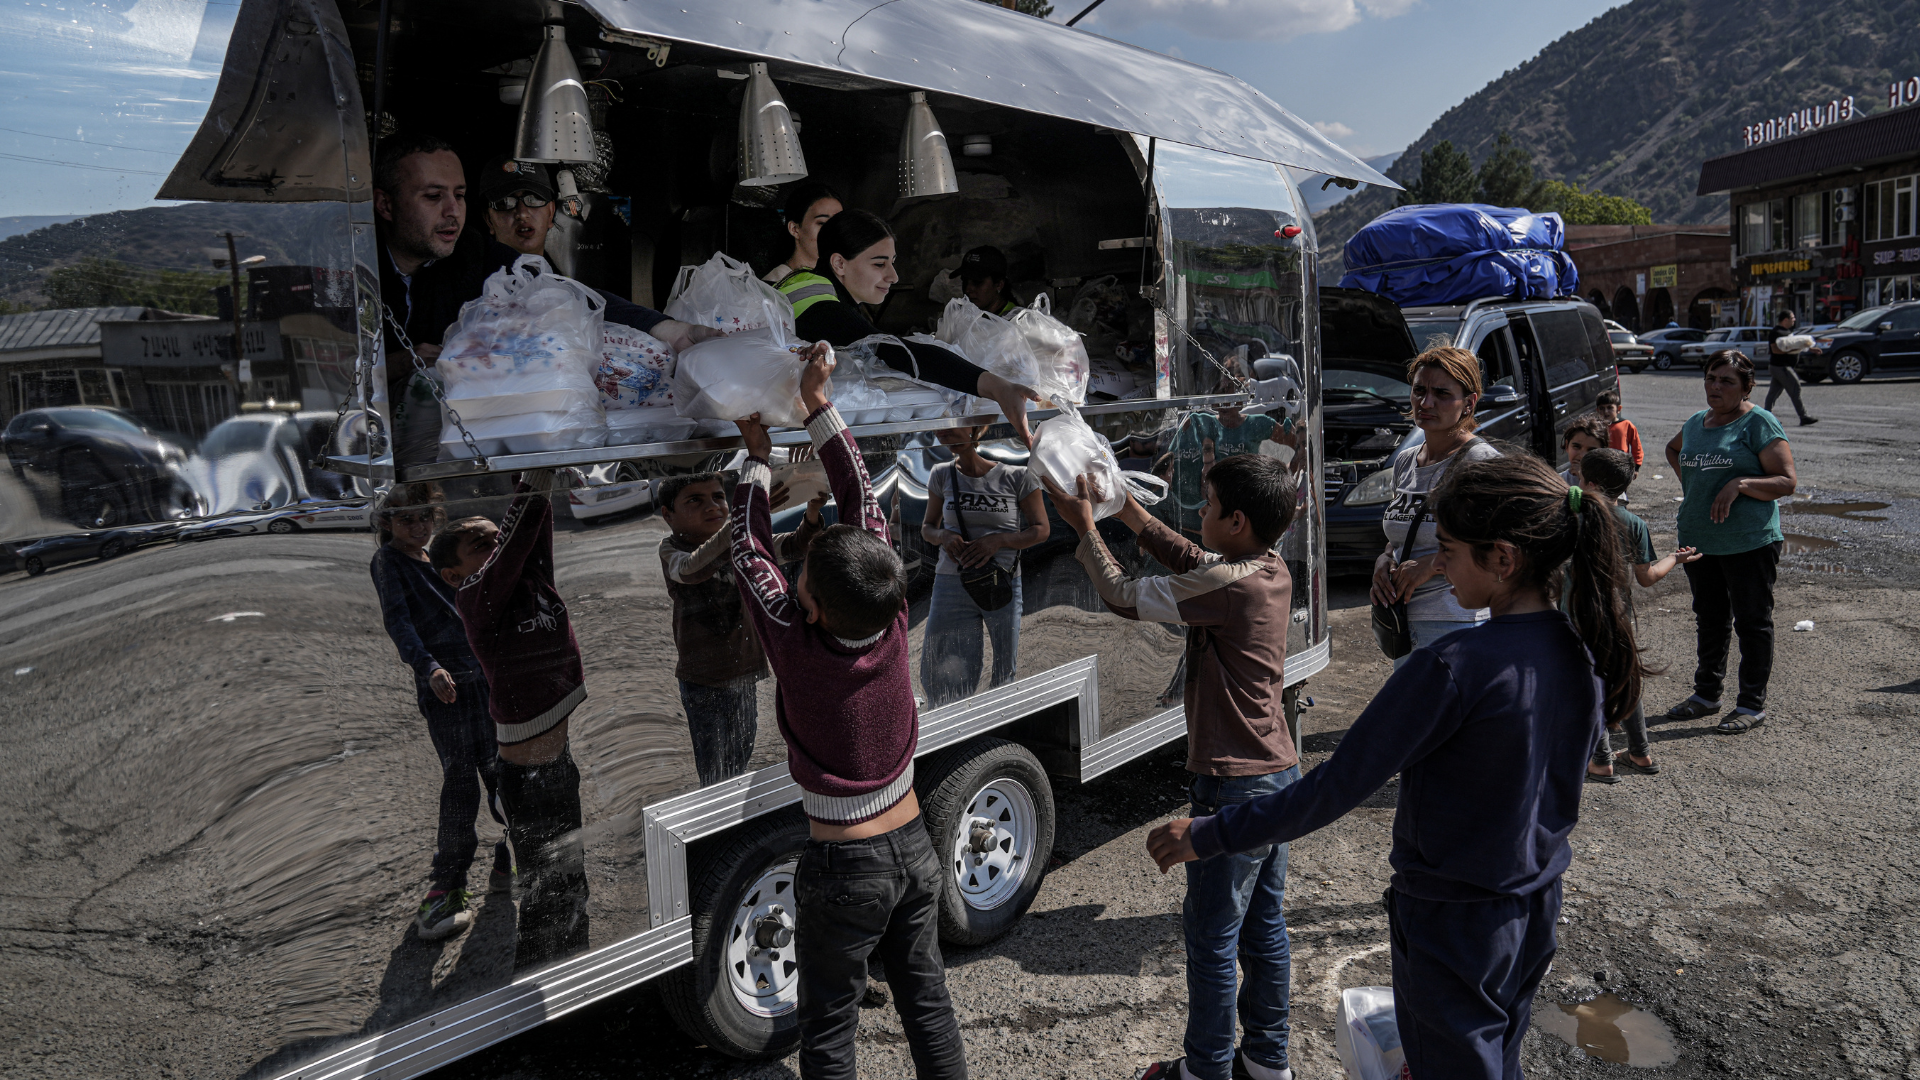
926	165
1288	231
769	136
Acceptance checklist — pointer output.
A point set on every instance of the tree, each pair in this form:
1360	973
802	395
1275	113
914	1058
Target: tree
1039	9
1446	176
100	282
1506	177
1590	207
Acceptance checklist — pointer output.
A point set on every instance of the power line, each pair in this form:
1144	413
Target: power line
78	165
83	142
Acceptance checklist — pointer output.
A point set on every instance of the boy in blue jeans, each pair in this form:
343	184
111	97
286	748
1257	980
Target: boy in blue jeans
1236	602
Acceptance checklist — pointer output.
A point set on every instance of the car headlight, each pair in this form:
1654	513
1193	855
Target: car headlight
1822	342
1374	490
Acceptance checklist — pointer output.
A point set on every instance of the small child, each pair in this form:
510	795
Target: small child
869	878
1585	434
518	629
1621	434
720	661
1236	602
1609	472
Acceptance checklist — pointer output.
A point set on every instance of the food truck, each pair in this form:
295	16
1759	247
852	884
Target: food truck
223	800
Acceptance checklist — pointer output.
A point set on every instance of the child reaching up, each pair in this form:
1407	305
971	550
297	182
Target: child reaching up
1608	473
837	640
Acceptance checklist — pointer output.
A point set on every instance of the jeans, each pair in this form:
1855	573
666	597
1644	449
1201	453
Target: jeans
1637	743
1427	631
856	896
724	722
543	821
462	735
950	660
1782	377
1464	976
1733	595
1232	916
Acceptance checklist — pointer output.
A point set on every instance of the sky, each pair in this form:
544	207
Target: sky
98	98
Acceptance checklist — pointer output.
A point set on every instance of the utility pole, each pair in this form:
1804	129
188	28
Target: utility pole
239	314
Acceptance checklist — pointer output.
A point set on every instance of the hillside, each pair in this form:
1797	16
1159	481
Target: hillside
171	238
1631	103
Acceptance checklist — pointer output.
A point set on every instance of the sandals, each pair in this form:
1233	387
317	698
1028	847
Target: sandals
1740	723
1692	709
1602	777
1624	760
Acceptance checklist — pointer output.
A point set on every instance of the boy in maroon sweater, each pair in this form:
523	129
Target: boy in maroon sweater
837	641
518	628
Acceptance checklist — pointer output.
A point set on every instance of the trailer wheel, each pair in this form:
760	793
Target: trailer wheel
989	808
741	993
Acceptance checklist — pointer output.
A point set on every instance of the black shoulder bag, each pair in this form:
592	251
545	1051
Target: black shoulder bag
1391	628
990	586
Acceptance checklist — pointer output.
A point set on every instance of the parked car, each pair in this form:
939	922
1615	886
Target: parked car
1667	344
1751	340
41	555
1878	338
102	467
1629	352
267	458
356	514
610	489
1543	363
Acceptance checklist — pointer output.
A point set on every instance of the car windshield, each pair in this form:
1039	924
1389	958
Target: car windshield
1365	378
1718	335
1865	320
1425	330
236	437
1621	337
97	420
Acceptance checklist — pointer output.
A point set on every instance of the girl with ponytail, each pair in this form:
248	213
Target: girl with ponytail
1489	730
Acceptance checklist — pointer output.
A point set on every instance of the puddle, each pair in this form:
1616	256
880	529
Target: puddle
1611	1030
1801	545
1843	510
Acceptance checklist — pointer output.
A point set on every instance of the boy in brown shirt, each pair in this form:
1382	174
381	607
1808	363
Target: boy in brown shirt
1236	602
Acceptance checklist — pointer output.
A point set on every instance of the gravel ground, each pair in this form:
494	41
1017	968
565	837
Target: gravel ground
1757	896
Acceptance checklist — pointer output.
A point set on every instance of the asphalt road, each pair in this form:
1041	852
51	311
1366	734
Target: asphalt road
1757	896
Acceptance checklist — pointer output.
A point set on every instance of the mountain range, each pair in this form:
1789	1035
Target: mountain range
1631	103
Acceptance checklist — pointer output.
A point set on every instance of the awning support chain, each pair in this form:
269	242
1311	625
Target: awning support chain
439	394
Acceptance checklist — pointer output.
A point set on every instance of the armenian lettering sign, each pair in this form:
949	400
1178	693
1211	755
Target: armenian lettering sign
1810	118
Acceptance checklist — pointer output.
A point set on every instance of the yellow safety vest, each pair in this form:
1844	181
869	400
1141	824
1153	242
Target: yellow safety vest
804	288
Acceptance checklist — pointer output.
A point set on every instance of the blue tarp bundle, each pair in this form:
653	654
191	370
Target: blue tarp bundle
1450	253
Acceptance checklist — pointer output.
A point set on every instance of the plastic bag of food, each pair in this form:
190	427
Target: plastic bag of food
725	294
1066	448
526	423
736	375
529	330
867	390
647	424
989	341
1367	1037
1099	302
1794	343
636	369
1061	366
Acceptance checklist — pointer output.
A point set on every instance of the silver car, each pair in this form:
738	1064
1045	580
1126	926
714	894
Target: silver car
1751	340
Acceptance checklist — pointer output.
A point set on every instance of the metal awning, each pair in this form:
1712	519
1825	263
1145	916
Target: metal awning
990	54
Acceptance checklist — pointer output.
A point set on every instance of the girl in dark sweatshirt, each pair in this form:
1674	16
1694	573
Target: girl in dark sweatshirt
1489	729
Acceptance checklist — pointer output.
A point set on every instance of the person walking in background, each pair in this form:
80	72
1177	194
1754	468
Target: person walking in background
1781	375
1446	388
1734	466
452	694
1608	473
981	514
1490	731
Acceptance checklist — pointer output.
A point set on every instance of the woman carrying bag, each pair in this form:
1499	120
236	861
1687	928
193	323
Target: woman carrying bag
980	514
1412	605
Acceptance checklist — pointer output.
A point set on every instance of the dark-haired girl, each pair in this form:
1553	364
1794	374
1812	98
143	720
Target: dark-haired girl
1490	730
807	209
857	256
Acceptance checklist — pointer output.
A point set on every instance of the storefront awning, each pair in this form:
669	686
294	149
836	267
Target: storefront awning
987	53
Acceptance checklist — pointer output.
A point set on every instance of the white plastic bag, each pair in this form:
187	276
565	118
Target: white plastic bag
1794	343
989	341
1066	448
724	293
1367	1038
867	390
753	371
530	329
1061	366
1095	303
648	424
636	369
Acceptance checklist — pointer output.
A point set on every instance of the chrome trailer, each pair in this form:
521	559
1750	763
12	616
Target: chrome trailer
222	799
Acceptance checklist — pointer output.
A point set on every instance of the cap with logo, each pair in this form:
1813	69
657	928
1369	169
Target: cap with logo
983	262
507	176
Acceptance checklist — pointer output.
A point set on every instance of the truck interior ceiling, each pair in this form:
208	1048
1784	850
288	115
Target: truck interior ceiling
1047	194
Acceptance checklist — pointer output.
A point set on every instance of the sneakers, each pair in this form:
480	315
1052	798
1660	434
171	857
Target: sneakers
1693	708
1244	1069
1809	421
442	915
500	881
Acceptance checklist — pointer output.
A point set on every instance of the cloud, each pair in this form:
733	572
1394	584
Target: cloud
1333	129
1234	20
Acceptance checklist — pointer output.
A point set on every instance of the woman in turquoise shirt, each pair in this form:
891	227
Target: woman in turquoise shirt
1734	465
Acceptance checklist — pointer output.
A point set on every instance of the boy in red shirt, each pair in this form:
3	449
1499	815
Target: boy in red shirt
1621	434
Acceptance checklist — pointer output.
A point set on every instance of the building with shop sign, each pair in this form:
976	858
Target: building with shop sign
1646	276
1825	219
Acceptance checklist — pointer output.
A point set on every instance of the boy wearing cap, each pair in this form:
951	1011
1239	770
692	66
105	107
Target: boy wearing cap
983	277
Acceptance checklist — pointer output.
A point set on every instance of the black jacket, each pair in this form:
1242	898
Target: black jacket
418	609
